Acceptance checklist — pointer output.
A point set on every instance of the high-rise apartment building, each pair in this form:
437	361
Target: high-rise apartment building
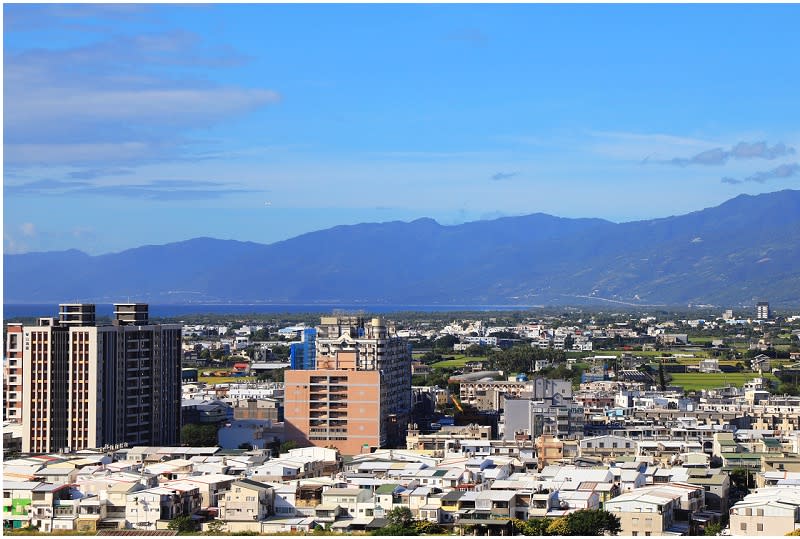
12	375
762	310
358	397
84	385
303	354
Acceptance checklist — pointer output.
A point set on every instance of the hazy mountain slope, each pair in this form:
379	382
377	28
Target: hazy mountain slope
746	248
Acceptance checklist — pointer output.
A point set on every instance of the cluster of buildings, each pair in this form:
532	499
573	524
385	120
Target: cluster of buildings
97	411
462	481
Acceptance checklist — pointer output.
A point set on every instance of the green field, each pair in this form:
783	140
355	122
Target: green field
695	380
698	353
226	379
456	362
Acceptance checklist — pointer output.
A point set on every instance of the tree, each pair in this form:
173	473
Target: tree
534	526
215	527
277	375
286	446
559	526
281	352
426	527
445	343
195	435
662	379
400	516
741	478
182	523
475	350
715	528
593	522
401	522
430	357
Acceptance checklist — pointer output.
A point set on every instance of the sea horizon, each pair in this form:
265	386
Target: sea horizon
28	310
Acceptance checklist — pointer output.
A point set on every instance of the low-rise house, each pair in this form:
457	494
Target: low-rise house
607	446
666	451
767	511
760	363
288	525
44	499
543	502
153	508
307	498
578	500
657	509
630	480
211	487
495	504
716	484
345	498
17	500
709	365
750	461
105	501
450	505
247	500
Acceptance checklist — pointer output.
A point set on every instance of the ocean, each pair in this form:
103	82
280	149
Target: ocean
11	311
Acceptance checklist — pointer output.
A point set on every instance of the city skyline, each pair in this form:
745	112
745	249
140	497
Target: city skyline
262	122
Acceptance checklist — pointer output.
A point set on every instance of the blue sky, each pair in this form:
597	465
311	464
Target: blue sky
127	125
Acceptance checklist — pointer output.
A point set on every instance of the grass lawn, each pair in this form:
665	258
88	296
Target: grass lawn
695	380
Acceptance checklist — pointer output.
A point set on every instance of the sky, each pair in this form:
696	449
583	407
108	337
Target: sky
137	124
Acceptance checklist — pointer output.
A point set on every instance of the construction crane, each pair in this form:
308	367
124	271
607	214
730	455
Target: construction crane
458	404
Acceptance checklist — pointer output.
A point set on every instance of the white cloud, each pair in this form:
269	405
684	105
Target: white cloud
28	229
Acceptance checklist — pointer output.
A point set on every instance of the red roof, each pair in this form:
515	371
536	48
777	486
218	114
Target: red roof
240	365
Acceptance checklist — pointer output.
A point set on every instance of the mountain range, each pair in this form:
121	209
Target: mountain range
744	250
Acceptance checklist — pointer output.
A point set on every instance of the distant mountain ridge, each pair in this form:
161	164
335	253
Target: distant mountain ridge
743	250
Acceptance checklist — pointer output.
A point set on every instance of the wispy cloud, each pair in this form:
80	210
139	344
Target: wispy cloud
154	190
742	150
632	146
93	173
504	175
472	36
784	171
117	102
79	17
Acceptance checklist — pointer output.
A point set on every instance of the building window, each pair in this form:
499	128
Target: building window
759	527
743	527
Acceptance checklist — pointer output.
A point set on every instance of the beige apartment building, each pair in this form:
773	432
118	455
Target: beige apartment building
773	510
359	396
80	385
